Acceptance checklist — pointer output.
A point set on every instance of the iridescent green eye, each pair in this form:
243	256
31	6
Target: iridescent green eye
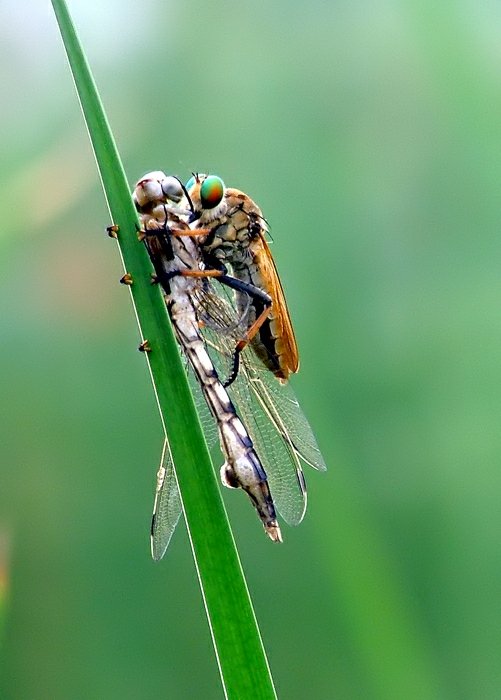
190	183
211	191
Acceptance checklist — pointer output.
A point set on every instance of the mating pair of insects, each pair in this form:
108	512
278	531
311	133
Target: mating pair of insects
208	247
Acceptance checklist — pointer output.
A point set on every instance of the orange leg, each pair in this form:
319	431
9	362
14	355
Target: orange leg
201	273
251	332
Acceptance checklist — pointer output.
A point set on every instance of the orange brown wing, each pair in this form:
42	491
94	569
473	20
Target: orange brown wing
286	345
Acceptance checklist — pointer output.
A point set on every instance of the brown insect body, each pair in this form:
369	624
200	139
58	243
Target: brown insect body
236	237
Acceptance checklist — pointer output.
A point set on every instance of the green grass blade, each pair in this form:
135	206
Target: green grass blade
241	657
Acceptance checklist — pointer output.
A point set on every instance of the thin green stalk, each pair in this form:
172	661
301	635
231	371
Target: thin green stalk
237	641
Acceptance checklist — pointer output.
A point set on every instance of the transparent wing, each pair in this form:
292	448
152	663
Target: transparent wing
167	507
281	463
276	451
277	399
280	403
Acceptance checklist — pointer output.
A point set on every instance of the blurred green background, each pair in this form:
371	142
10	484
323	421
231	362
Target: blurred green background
370	135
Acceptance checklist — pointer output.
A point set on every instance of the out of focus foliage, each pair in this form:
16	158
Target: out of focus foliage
369	133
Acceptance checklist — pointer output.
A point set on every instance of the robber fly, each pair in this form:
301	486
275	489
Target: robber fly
233	232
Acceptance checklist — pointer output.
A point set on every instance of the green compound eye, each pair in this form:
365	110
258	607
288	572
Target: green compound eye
190	183
211	191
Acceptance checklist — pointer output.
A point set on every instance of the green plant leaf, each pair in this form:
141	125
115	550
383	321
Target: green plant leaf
241	657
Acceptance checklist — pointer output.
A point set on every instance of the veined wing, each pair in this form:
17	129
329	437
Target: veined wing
280	403
279	430
167	507
277	398
280	319
281	462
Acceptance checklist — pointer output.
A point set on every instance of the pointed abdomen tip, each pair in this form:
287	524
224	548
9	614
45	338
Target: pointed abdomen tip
273	532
